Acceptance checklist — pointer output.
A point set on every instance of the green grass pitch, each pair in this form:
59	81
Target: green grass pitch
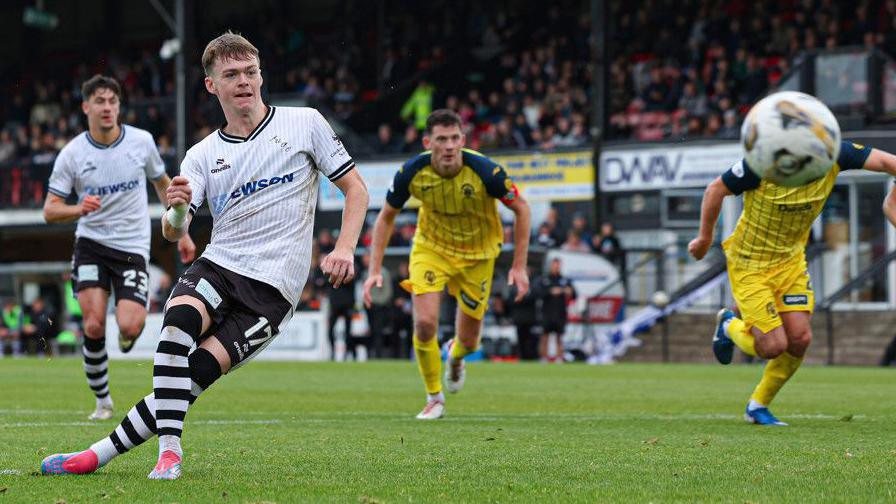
300	432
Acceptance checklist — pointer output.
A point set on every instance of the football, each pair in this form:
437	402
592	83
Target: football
790	138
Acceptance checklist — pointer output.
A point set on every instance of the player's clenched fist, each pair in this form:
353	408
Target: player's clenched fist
89	204
179	192
339	267
699	247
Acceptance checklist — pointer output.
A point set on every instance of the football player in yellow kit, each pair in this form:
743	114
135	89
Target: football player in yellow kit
459	235
767	267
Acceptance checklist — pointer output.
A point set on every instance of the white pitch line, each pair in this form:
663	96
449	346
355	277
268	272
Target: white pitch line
479	418
83	424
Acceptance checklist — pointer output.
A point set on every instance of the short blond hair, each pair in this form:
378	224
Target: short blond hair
228	45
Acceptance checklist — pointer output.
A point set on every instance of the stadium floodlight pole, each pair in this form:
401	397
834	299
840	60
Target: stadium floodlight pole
176	25
599	81
181	81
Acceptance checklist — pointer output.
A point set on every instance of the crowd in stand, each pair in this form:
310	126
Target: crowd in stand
693	74
687	75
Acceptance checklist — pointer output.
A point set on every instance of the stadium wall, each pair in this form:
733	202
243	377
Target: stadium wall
859	339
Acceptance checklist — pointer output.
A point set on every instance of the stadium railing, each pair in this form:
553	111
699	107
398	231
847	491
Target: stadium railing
827	304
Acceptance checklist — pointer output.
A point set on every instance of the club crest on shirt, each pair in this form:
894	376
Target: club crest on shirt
468	190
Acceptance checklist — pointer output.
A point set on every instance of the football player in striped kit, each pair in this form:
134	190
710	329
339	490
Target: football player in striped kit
259	174
107	167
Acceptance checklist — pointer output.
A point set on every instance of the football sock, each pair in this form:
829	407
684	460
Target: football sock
429	361
754	405
140	423
138	426
96	367
171	373
459	350
777	372
435	397
741	336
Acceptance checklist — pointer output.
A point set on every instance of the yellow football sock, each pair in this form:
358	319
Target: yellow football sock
741	336
776	374
429	361
459	350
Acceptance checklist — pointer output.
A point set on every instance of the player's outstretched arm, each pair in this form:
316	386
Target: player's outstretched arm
57	212
339	265
884	162
881	161
521	226
709	213
890	206
382	231
177	219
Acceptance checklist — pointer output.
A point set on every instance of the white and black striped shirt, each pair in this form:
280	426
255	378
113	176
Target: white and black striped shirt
117	174
262	192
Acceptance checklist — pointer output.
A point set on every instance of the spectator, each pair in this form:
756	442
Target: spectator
607	244
544	236
342	306
524	316
7	147
41	334
379	314
556	293
730	127
655	95
692	102
713	125
402	312
574	242
580	225
411	140
385	142
16	322
418	106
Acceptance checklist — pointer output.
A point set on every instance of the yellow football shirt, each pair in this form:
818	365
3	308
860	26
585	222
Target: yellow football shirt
458	216
776	220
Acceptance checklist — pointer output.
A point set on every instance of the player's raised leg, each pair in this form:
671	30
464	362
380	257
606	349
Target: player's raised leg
93	302
429	356
136	428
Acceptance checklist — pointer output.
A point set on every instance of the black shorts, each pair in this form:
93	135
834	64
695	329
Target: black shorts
246	314
123	273
553	326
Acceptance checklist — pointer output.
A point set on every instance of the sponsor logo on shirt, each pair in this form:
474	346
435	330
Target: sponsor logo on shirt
248	189
799	208
221	166
112	189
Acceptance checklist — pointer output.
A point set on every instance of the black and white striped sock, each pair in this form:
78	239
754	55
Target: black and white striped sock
171	379
137	427
96	367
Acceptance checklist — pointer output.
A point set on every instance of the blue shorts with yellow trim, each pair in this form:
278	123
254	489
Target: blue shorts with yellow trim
761	295
468	280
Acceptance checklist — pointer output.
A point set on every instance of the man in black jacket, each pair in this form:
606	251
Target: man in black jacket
556	293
